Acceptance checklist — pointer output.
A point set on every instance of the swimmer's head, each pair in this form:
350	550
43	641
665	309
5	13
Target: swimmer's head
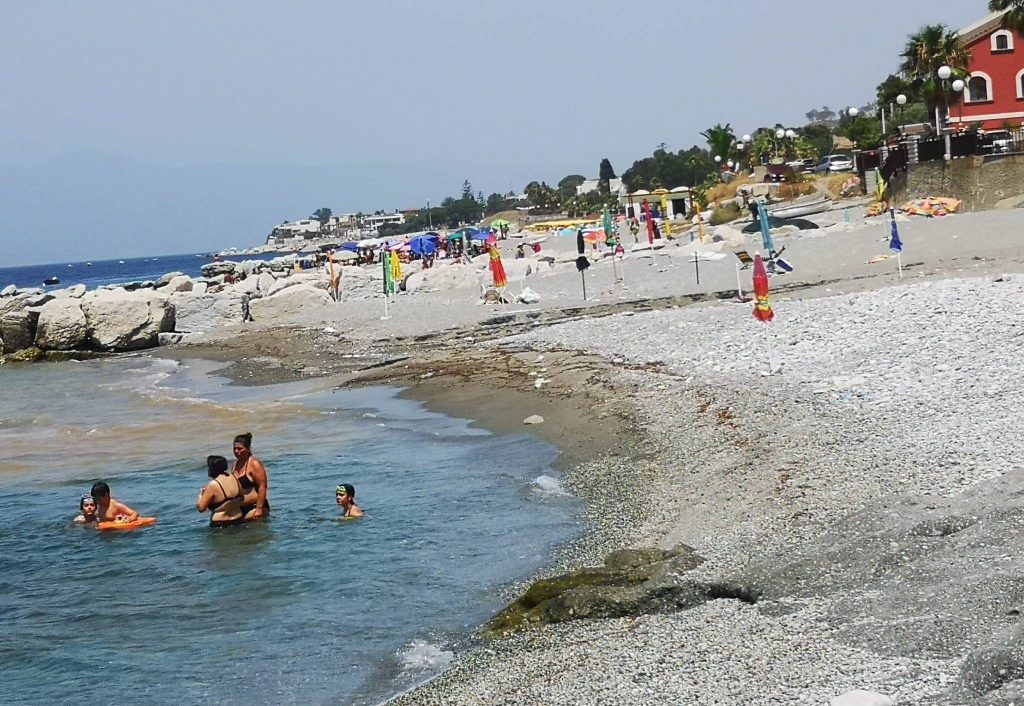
100	491
345	492
87	505
216	466
242	443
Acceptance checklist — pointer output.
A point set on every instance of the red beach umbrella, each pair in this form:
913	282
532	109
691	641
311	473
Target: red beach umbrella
650	221
762	309
497	269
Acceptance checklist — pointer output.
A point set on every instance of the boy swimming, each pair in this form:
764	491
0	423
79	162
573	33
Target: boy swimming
88	507
345	496
108	508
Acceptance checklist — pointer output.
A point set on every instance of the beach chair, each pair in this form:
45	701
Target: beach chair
745	258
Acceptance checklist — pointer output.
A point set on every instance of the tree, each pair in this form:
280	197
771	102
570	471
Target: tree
1014	19
605	171
865	132
467	189
929	48
567	185
322	214
720	140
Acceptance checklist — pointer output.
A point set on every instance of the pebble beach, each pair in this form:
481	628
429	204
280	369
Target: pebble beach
882	393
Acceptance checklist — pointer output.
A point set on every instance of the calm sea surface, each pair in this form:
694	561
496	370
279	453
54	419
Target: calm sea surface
301	609
100	272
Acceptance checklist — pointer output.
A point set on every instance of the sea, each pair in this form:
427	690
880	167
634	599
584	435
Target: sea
304	608
103	272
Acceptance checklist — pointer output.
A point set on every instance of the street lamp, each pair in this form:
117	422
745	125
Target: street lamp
853	112
958	89
718	158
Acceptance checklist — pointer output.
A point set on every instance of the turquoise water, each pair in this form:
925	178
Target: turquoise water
303	608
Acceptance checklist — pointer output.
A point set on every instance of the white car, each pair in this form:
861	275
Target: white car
834	163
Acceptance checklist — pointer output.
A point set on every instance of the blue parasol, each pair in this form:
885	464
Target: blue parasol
766	232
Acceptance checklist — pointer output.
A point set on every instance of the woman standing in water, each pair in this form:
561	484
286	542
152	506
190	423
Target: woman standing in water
252	476
222	496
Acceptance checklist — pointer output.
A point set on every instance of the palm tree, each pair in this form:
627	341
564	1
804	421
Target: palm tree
1014	19
720	140
931	47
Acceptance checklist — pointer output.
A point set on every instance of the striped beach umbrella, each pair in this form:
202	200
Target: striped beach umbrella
497	269
762	309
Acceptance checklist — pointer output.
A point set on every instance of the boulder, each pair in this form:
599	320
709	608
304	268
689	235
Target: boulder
123	321
302	278
528	296
174	337
76	292
8	291
264	282
214	269
200	287
167	278
534	419
287	303
179	283
61	325
205	312
17	329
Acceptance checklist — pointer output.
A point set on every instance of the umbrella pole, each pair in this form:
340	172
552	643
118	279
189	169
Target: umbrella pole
899	263
583	277
771	358
696	266
739	283
385	317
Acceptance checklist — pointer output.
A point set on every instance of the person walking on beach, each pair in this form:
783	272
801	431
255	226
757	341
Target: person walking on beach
246	312
252	476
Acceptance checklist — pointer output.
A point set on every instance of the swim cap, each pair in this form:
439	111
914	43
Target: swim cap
85	499
340	490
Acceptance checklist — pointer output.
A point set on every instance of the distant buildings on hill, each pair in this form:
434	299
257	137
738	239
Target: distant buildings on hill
346	226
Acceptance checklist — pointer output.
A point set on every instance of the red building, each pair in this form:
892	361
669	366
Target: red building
994	95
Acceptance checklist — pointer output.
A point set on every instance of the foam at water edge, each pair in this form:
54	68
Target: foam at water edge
419	655
548	486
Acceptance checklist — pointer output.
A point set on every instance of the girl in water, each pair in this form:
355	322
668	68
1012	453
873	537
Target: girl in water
345	496
252	476
88	507
222	496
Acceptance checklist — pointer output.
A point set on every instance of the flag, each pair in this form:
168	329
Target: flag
880	186
766	233
497	269
762	309
895	244
389	278
650	221
396	269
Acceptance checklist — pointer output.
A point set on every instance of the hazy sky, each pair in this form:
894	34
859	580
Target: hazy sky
548	85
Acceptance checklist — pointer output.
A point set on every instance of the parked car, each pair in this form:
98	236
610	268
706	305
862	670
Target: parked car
801	165
834	163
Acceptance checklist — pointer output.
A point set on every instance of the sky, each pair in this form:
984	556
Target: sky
112	108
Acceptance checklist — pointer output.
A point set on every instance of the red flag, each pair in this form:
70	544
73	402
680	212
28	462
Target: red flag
650	222
497	269
762	309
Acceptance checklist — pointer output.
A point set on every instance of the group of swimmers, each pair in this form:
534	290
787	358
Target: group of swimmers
232	496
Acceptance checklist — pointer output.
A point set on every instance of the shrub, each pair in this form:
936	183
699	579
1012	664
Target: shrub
725	214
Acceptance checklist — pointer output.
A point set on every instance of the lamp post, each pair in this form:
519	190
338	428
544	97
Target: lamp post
430	218
958	89
943	73
901	100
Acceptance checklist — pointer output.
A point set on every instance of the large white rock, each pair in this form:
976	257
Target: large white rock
179	283
120	321
75	292
61	325
859	697
313	279
8	291
289	302
264	282
17	329
206	312
167	279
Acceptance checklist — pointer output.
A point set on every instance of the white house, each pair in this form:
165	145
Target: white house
615	186
375	221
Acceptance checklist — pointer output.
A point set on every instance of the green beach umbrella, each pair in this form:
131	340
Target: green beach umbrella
499	222
389	280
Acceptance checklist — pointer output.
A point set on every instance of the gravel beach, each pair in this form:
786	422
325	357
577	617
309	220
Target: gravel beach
888	396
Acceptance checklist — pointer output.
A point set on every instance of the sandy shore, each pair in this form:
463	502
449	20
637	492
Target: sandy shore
889	392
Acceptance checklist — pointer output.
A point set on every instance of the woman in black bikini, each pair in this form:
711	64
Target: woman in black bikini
252	476
222	496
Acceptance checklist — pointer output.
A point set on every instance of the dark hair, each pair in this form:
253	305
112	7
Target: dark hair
100	490
244	439
216	466
350	490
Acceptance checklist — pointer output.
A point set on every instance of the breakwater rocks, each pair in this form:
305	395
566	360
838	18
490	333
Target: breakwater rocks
632	582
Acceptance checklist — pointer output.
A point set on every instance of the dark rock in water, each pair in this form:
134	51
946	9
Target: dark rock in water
218	268
24	355
632	582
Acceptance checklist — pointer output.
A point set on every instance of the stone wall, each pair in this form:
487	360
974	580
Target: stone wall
982	183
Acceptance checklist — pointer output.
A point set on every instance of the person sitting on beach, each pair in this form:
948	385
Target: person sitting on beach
88	507
345	496
519	252
108	508
252	476
222	496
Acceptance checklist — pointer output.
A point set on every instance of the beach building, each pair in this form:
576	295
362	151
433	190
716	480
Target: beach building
307	229
615	186
994	94
664	203
375	221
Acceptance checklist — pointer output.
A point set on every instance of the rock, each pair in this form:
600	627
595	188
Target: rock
200	287
179	283
205	312
25	355
291	301
8	291
61	325
124	322
312	279
528	296
1002	660
534	419
174	337
167	279
75	292
214	269
264	282
17	329
858	697
415	281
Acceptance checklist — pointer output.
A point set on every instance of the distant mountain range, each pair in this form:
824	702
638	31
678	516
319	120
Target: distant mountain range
91	205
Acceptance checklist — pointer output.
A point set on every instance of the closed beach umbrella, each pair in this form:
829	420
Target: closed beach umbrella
762	309
497	269
766	233
396	270
389	280
650	221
